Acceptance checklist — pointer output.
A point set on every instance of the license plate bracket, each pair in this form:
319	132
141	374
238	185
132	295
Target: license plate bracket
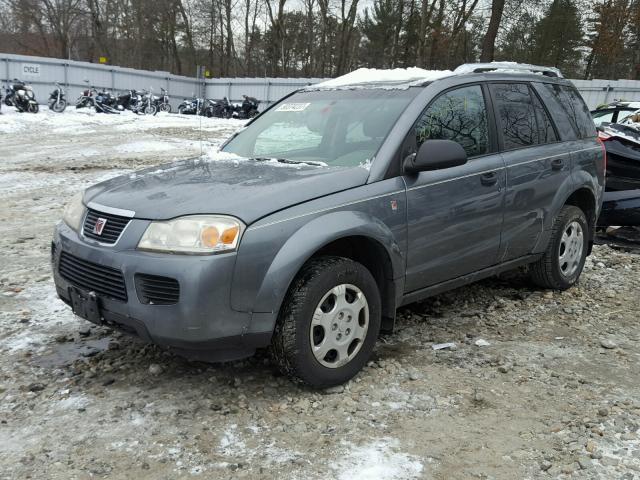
85	304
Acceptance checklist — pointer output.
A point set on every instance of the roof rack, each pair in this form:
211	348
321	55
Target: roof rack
508	67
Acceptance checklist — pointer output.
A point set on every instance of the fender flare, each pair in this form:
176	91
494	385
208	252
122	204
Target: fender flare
568	188
304	243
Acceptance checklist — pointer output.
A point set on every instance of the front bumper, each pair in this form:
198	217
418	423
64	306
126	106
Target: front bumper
201	325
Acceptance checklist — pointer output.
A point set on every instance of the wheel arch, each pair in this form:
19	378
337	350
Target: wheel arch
581	196
585	200
349	234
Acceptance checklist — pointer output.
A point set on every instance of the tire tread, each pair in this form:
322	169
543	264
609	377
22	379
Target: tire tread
284	350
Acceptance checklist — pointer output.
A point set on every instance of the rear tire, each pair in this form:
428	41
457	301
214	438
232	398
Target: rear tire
181	110
563	261
165	107
343	296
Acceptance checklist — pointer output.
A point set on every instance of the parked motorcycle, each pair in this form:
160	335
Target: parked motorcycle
248	108
57	101
162	103
146	104
225	109
21	96
191	106
102	102
10	91
105	102
127	101
214	108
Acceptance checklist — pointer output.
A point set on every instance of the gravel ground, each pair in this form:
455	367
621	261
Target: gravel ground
539	384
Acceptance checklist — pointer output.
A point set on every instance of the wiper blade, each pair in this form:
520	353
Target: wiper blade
292	162
308	162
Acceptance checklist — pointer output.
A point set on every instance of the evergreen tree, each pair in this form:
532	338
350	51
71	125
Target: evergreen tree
381	28
515	44
557	37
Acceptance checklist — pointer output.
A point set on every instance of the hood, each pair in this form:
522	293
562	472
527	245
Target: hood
246	189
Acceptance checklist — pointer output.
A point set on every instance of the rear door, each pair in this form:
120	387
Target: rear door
579	133
454	215
537	164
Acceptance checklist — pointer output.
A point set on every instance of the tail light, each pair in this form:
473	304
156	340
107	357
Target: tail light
602	135
601	141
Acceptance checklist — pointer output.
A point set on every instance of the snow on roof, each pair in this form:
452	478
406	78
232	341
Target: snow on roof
510	67
401	77
628	131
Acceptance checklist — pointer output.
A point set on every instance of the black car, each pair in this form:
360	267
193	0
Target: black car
622	142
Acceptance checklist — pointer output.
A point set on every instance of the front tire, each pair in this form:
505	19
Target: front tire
329	322
59	106
563	261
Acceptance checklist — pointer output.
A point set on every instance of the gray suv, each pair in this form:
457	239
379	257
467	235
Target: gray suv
333	208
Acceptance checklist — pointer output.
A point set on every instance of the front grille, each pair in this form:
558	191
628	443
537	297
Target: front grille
112	228
156	290
105	281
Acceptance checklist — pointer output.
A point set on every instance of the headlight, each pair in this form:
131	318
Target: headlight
196	234
74	212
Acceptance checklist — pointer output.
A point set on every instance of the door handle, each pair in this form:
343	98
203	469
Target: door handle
557	164
489	179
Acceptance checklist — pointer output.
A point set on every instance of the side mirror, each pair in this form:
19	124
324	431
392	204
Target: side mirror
435	155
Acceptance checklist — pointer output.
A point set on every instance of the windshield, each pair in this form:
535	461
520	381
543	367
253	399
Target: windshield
332	127
602	116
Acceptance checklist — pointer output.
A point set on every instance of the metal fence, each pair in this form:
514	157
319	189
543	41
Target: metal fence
598	92
41	73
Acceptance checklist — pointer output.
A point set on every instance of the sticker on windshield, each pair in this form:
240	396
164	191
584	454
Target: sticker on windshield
292	107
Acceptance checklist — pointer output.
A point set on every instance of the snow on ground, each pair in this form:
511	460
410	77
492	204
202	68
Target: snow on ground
85	121
376	460
83	139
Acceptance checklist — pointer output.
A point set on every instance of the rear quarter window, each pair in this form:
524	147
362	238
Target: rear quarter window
570	113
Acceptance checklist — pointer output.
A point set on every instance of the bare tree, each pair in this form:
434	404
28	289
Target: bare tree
489	40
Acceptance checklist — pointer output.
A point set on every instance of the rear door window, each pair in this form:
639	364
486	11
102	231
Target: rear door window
459	115
517	115
573	107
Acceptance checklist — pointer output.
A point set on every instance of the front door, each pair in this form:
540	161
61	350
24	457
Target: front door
454	215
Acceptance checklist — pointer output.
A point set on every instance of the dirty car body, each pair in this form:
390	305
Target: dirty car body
331	178
622	142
